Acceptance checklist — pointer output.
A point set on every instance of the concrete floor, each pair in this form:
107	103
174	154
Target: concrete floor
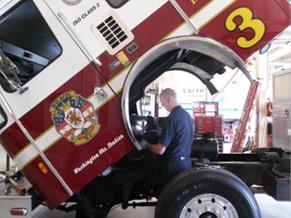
270	208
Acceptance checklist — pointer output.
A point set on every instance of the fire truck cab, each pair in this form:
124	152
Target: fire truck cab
71	74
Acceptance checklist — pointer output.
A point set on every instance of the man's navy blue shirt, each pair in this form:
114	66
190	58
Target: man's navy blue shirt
177	134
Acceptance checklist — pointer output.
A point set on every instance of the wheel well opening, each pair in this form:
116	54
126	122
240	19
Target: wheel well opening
196	55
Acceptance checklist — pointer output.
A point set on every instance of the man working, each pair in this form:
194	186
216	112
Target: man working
175	141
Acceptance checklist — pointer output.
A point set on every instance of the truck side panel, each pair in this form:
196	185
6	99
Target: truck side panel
72	108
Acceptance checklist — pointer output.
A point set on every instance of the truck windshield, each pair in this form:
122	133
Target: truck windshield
116	3
27	42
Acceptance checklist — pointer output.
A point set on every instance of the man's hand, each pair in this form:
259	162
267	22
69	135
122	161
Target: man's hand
157	148
143	144
152	136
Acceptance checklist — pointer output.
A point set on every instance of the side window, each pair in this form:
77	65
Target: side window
116	3
27	45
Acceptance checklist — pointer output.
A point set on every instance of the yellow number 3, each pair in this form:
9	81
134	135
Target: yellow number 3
247	22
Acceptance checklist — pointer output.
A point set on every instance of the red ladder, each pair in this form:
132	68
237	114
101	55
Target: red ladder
240	132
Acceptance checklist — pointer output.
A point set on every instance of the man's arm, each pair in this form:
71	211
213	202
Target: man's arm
157	148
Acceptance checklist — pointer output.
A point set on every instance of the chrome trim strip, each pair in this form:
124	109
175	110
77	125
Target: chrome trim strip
33	143
184	16
63	20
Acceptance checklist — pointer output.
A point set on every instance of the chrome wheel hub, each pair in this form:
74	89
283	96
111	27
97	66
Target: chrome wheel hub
208	206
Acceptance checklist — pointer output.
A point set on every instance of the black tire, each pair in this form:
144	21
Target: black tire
80	214
218	184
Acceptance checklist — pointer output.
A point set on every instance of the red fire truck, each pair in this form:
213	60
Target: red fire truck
71	72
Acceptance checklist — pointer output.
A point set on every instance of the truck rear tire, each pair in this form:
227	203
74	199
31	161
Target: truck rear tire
81	214
207	193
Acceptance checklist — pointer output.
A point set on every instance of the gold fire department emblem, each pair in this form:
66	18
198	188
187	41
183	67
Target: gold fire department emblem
74	118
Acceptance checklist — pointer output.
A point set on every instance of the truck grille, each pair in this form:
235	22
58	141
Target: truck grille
113	33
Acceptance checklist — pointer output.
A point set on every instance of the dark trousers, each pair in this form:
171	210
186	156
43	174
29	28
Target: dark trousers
170	168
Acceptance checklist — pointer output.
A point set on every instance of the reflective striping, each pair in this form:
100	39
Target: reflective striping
51	136
29	153
117	82
45	141
206	14
184	16
203	16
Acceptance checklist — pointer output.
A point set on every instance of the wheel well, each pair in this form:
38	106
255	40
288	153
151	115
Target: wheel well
199	56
